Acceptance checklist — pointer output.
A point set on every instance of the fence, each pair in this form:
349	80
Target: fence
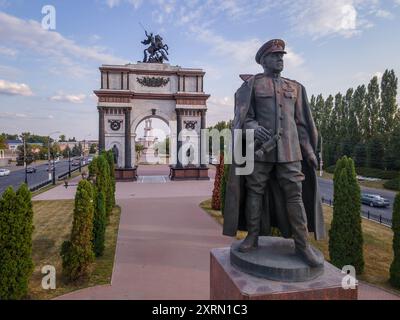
60	177
366	214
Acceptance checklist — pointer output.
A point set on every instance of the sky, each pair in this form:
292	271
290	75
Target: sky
47	77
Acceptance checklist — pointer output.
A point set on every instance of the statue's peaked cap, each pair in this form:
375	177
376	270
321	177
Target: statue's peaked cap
275	45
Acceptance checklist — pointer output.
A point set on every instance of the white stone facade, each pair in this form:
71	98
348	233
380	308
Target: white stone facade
148	90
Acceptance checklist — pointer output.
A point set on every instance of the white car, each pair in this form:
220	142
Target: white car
4	172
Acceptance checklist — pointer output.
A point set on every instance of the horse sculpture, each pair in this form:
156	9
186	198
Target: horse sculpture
157	51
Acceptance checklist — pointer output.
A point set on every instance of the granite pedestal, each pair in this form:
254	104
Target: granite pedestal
188	173
124	174
227	282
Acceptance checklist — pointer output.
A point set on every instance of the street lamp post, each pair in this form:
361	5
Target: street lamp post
54	170
69	164
48	156
26	172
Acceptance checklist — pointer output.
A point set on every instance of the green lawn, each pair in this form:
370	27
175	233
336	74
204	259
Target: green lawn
378	252
53	222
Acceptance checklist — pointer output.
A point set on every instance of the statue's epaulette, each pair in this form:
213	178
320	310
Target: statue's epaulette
290	81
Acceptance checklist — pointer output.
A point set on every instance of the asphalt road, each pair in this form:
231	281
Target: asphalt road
326	190
16	178
326	186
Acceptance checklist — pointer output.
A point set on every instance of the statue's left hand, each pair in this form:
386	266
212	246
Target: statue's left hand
312	161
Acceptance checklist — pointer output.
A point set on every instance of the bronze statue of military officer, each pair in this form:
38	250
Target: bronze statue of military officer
282	191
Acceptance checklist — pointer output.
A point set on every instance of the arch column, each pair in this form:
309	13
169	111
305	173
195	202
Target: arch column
128	139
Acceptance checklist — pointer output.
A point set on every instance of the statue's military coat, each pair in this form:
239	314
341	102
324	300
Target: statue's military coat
274	208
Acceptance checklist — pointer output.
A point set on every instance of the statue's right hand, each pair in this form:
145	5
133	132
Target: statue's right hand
262	134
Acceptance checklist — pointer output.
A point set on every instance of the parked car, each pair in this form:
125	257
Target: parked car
374	200
4	172
75	162
30	169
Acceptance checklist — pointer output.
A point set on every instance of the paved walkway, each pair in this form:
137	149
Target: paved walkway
164	241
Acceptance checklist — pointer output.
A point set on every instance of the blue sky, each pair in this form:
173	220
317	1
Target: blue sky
47	78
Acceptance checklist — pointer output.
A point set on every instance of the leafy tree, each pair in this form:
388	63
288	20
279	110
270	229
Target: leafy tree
395	266
62	138
388	103
360	155
359	110
374	106
375	153
2	142
93	148
345	235
77	253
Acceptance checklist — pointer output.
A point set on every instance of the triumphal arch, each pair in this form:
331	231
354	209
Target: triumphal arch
132	93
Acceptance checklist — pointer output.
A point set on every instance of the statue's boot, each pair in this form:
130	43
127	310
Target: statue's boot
253	215
298	223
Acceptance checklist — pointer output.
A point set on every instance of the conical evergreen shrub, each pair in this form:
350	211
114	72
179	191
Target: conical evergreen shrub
216	195
16	227
395	267
345	235
77	254
99	223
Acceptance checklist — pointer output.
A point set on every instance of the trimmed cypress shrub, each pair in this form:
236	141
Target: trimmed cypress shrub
16	229
103	182
395	267
25	262
110	159
99	223
216	195
77	254
345	235
93	170
223	187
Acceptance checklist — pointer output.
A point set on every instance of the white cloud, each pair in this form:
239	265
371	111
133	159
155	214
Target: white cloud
8	51
116	3
69	98
29	35
15	89
384	14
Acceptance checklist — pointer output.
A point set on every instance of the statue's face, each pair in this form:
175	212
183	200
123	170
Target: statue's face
273	62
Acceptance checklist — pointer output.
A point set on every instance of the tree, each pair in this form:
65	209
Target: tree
62	138
375	153
2	142
99	223
373	107
360	155
16	227
223	186
110	160
77	253
103	182
395	266
345	235
388	103
359	110
93	148
138	149
216	195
